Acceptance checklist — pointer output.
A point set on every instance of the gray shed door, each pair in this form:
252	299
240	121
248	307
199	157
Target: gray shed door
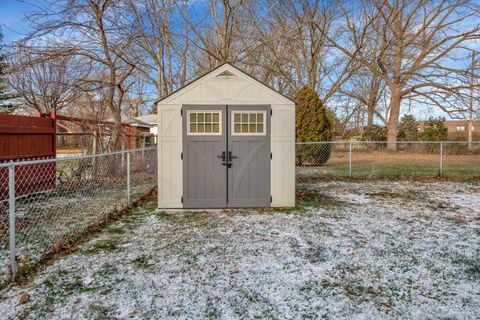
226	156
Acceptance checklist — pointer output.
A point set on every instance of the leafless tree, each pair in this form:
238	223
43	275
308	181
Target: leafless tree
417	39
218	32
89	28
371	53
367	89
163	43
44	82
294	50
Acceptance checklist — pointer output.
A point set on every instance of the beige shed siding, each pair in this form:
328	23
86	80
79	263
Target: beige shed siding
283	151
241	90
169	152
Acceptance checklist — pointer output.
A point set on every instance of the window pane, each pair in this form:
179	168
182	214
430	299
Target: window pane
259	117
244	117
216	127
236	117
193	117
201	117
215	117
260	128
253	117
201	128
245	128
193	127
208	117
208	127
237	128
253	128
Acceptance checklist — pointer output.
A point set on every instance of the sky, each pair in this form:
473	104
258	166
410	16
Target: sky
12	19
14	26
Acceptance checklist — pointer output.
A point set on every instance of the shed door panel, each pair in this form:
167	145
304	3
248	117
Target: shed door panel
242	180
203	173
249	142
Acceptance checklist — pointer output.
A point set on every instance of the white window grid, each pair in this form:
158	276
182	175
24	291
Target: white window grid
219	133
248	112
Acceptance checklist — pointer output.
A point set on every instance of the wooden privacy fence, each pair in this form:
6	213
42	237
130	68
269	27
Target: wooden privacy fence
22	138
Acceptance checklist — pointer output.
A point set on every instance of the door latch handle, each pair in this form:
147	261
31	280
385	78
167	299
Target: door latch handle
222	156
228	164
230	156
227	158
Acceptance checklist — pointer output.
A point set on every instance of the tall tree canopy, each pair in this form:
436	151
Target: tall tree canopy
373	57
417	43
5	98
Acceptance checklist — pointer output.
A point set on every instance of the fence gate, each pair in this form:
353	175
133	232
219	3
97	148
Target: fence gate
226	156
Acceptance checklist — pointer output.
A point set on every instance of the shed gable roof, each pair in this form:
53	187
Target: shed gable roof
225	71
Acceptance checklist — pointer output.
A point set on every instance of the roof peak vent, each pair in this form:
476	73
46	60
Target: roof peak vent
225	74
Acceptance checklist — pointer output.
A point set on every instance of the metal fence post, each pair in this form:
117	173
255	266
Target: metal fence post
128	177
350	160
441	160
11	215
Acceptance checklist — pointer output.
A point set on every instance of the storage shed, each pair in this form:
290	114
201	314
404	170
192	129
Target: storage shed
226	140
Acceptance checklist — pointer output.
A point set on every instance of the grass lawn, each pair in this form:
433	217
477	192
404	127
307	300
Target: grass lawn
70	151
396	165
367	250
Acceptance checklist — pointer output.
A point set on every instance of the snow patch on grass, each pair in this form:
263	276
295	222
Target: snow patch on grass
391	250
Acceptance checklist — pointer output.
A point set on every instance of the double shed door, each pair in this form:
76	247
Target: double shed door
226	156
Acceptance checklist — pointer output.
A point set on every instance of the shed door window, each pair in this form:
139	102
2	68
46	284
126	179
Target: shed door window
204	123
248	123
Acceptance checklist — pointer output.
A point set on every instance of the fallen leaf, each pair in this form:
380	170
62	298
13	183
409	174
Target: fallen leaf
24	298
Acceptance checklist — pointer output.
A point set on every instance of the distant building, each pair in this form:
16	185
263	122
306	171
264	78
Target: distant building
152	120
134	122
458	129
140	128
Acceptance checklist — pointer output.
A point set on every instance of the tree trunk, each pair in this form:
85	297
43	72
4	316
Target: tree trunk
370	116
392	126
116	142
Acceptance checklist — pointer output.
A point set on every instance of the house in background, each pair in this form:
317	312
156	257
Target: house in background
458	129
152	120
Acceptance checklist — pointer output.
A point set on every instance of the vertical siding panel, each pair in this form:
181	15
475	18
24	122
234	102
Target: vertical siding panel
169	150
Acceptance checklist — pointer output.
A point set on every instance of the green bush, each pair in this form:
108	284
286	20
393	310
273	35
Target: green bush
349	134
408	128
312	124
313	154
435	130
375	133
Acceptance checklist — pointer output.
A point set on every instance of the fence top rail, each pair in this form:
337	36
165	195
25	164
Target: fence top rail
87	156
385	142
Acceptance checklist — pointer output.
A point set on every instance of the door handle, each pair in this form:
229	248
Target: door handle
228	164
222	156
228	161
230	156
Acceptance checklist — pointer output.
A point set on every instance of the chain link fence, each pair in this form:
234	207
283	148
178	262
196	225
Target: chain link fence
44	202
370	160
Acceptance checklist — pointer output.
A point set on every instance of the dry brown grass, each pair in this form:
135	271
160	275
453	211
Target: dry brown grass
386	158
